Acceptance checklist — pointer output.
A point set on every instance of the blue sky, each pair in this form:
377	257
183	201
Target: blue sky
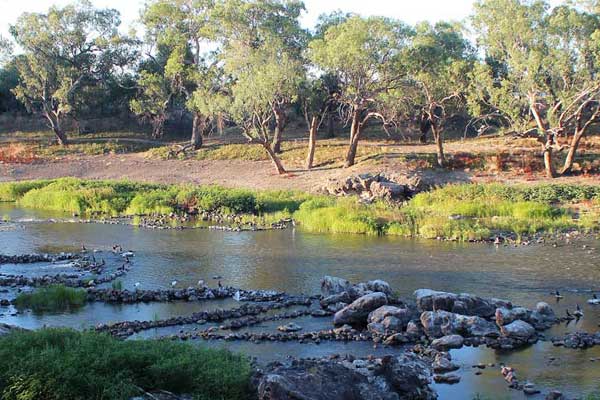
409	11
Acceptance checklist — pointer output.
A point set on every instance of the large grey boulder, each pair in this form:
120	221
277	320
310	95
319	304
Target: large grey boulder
358	311
331	285
464	304
382	312
441	323
379	286
505	316
390	378
519	330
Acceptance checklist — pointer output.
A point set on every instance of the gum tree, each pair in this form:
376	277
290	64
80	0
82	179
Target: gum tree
544	71
362	53
65	49
186	28
436	62
245	25
262	78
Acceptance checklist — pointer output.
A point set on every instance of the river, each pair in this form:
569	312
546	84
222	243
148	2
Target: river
294	261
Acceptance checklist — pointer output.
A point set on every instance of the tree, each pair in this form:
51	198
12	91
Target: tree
263	77
549	69
64	50
437	63
316	100
363	54
186	28
259	23
152	101
5	49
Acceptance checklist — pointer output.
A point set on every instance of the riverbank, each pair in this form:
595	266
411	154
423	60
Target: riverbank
463	212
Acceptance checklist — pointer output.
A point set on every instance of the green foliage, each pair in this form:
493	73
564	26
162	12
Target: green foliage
68	365
52	299
12	191
117	285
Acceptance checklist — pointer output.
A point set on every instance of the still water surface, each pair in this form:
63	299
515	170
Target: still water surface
294	261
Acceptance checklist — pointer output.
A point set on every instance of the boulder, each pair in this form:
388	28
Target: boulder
382	312
358	311
519	330
442	365
441	323
331	285
448	342
464	304
379	286
388	190
391	378
343	297
505	316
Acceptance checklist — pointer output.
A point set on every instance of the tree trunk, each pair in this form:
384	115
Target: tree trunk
572	151
354	138
548	156
424	127
274	158
197	128
61	136
330	126
439	144
279	127
312	142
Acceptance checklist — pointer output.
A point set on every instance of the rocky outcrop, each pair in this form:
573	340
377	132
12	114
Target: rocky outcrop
578	340
331	285
541	318
381	186
405	377
358	311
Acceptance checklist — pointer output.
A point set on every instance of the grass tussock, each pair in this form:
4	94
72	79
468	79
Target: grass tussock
52	299
55	364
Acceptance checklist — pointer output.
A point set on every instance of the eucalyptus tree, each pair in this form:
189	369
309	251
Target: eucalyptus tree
263	78
65	49
316	102
436	63
247	25
363	54
187	29
5	49
546	73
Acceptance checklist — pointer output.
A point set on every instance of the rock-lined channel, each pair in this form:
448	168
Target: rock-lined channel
289	315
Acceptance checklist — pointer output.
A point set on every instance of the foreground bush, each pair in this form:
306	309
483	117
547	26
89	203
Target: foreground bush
60	364
52	298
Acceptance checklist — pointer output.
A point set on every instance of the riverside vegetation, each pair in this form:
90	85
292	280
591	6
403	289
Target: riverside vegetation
63	364
458	212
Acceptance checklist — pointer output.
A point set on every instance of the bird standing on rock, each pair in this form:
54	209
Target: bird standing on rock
558	295
578	312
174	283
594	300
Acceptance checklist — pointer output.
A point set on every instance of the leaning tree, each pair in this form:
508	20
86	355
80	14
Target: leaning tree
362	53
65	49
545	71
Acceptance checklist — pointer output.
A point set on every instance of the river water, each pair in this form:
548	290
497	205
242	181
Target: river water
294	261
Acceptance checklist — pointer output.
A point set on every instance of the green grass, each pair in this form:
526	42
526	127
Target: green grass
459	212
55	364
52	299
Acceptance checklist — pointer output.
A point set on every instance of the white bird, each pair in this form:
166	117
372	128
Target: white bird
558	295
578	313
201	282
237	296
137	285
127	254
594	300
174	283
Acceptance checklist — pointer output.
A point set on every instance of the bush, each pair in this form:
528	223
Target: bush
52	298
61	364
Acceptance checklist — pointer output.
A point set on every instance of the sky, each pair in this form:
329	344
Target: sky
409	11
